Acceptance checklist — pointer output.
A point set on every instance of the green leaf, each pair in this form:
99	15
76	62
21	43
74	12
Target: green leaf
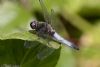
36	56
11	51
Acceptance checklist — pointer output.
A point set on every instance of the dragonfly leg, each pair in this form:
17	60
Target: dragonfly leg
38	38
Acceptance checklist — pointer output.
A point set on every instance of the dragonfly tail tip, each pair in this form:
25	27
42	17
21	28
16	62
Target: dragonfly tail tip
75	47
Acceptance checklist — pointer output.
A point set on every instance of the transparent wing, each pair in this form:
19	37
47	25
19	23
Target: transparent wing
52	18
42	52
29	44
45	12
56	23
45	52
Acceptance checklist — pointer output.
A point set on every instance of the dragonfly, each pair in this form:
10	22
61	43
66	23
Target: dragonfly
45	29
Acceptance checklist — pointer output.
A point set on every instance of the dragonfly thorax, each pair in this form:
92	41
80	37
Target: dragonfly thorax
42	28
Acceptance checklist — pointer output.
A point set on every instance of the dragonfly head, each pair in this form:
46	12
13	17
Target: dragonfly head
33	24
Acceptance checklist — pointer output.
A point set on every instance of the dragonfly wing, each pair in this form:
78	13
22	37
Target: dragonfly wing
45	52
29	44
56	23
45	12
52	17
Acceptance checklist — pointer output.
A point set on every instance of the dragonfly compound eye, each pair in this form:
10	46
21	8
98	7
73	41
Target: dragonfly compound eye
33	24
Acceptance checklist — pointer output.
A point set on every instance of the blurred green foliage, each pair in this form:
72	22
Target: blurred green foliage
76	20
